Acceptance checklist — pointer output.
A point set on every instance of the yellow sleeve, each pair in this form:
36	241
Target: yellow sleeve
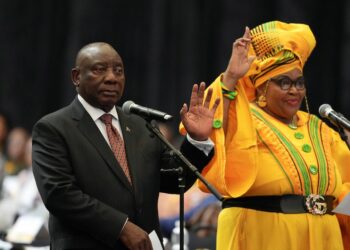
233	168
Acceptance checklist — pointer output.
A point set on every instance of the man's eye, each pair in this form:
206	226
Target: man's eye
118	70
99	69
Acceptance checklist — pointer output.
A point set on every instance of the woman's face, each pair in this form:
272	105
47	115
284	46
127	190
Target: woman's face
283	98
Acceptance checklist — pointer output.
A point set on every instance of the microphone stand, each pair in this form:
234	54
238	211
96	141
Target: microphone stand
181	183
175	153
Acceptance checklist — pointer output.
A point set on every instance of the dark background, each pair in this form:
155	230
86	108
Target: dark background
166	46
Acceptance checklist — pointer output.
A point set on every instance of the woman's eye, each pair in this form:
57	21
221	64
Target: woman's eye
285	82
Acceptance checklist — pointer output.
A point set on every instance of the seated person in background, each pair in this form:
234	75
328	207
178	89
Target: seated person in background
195	202
20	194
16	144
3	137
12	185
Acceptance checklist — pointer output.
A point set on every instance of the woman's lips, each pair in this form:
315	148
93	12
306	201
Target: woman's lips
293	102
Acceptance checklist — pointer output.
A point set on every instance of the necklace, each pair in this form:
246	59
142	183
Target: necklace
293	123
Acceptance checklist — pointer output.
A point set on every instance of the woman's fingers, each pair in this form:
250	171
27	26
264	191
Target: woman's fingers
194	96
201	93
247	33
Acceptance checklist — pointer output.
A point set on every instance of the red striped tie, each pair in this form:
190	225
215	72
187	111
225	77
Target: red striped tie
117	144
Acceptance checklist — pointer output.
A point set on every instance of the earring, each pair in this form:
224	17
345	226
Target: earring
261	101
262	98
307	105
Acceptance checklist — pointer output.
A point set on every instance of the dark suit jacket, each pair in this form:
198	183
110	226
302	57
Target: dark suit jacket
83	186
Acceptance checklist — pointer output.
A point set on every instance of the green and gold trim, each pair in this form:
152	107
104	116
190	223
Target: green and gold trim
315	130
290	159
300	165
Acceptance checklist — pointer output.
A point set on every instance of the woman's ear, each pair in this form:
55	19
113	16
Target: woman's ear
260	89
261	94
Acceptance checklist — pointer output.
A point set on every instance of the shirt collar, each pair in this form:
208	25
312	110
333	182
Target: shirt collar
94	112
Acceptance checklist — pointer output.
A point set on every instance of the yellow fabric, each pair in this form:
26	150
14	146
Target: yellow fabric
247	229
248	161
278	47
274	151
265	76
228	170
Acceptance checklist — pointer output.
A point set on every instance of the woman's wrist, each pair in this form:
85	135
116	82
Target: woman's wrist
229	81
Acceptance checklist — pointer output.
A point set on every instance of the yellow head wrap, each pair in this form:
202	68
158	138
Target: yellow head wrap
278	47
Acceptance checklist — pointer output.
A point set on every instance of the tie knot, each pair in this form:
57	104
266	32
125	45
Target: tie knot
106	118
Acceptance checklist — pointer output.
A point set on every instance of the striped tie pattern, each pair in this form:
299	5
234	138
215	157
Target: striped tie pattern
117	144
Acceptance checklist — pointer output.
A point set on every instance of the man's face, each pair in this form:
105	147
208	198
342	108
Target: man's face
99	76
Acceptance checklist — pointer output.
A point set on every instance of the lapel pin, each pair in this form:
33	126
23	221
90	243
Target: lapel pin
128	129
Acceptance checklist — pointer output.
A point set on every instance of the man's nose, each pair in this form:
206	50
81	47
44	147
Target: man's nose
110	75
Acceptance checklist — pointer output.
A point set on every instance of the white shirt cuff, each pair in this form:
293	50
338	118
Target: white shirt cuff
204	146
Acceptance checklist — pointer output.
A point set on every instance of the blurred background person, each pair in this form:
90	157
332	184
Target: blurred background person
3	137
29	200
11	186
20	196
16	147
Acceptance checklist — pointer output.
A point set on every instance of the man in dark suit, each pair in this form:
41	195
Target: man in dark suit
95	202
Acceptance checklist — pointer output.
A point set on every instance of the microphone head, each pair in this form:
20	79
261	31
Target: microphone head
126	106
168	117
325	109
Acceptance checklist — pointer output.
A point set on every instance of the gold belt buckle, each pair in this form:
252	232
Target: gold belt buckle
316	204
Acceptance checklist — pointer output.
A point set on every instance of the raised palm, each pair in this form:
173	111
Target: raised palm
198	118
239	62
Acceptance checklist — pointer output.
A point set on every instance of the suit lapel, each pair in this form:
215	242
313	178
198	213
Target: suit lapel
88	127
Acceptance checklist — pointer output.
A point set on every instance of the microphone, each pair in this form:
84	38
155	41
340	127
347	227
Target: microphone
337	119
147	113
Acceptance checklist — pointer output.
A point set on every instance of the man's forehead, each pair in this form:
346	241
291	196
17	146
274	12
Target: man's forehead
97	53
92	50
99	50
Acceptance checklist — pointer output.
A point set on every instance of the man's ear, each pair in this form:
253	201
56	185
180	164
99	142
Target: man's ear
75	75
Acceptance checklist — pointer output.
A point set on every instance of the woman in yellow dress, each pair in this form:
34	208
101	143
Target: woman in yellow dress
281	170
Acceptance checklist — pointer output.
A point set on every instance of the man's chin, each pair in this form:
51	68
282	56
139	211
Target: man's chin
107	106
